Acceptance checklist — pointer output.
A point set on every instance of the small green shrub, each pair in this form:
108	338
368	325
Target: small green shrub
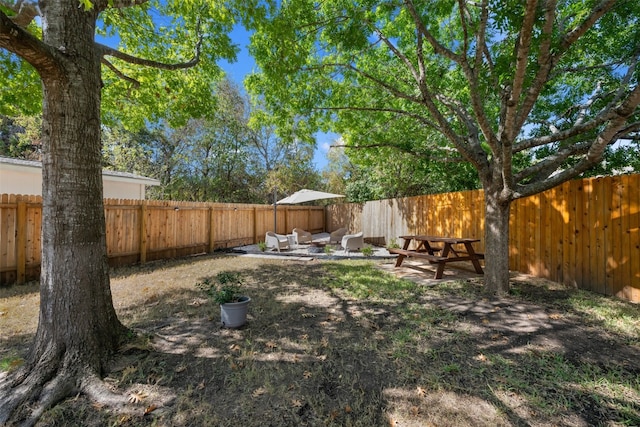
224	288
262	246
327	249
393	244
367	251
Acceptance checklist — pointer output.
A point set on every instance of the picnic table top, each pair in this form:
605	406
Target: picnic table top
443	239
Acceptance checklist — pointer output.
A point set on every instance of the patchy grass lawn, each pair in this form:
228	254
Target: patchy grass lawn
344	344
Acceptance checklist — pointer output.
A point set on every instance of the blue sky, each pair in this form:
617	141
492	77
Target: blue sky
245	65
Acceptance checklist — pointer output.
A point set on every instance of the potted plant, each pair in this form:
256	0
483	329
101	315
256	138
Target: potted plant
224	289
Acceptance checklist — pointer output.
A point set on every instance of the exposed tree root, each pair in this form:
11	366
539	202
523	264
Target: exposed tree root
25	396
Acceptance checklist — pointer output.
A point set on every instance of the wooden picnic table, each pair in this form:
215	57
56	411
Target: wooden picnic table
439	250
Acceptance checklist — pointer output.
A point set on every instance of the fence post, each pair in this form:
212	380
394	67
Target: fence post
286	220
21	241
255	225
143	232
212	230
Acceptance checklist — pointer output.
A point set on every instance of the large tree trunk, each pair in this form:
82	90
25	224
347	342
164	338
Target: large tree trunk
78	328
496	237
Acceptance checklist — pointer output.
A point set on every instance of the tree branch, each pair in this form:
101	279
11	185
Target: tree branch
595	148
624	110
471	74
108	51
405	150
25	12
389	88
120	74
577	32
17	40
437	47
523	47
548	61
415	116
551	163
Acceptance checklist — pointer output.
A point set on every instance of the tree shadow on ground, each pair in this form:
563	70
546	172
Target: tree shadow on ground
314	354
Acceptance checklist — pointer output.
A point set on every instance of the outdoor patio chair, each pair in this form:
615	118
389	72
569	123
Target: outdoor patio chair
352	241
337	235
276	241
302	236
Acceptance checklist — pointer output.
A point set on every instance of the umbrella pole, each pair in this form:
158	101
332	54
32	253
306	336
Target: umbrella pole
275	211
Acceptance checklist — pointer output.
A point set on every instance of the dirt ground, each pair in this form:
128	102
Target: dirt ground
344	344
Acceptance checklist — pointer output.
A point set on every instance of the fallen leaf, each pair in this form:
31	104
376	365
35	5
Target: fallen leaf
296	403
271	345
150	409
137	397
259	392
307	374
348	409
421	391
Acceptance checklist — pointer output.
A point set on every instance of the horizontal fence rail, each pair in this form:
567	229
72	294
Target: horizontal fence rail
147	230
584	233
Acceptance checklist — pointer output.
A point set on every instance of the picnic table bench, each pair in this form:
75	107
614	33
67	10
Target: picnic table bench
440	255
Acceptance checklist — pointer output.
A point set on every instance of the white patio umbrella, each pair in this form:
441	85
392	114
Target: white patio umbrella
301	196
305	195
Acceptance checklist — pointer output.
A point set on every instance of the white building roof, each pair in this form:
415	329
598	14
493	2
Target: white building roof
9	163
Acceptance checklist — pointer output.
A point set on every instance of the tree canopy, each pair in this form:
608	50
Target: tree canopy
530	93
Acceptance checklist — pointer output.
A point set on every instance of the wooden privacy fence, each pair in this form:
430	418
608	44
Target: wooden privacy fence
141	230
583	233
